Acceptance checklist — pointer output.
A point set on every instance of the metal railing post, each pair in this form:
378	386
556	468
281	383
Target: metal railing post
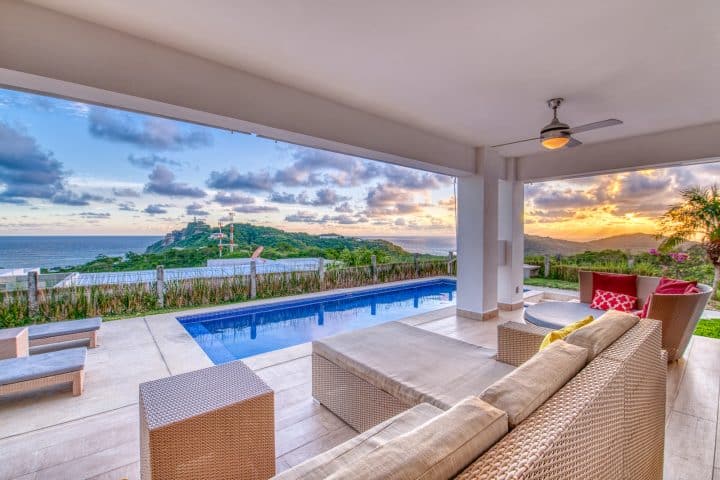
417	265
547	266
373	268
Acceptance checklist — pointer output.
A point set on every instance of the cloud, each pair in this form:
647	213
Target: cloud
400	221
232	179
67	197
196	209
25	170
162	182
323	197
149	161
383	199
309	217
127	207
255	209
344	208
146	132
155	209
125	192
313	167
96	215
232	198
303	217
327	197
278	197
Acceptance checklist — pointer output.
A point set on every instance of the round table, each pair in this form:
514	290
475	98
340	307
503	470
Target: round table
556	315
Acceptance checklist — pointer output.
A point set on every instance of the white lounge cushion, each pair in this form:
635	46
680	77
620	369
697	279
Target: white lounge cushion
522	391
439	449
412	364
600	334
327	463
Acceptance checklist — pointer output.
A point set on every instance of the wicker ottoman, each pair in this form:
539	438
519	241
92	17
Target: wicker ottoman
215	423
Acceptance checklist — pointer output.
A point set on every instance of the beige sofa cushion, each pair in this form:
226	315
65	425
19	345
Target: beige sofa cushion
601	333
325	464
521	392
412	364
439	449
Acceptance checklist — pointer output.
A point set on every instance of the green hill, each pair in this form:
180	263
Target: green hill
193	245
277	243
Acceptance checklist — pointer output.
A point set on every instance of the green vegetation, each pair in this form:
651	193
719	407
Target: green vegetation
697	216
708	327
192	246
551	283
129	300
689	265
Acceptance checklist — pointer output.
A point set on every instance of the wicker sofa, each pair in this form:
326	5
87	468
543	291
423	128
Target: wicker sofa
607	421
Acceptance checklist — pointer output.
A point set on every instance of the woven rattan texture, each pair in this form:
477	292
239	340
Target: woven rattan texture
517	342
234	442
575	434
360	404
645	396
179	397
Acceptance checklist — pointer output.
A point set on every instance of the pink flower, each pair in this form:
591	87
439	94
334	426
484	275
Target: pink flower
653	251
679	257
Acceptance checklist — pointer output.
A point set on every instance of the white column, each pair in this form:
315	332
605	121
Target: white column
511	234
477	237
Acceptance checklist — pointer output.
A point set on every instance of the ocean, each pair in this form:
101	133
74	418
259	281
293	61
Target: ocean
61	251
434	245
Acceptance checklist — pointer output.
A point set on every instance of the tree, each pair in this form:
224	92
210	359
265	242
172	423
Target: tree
696	217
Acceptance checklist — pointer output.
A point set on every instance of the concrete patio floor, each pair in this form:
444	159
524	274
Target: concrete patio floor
52	435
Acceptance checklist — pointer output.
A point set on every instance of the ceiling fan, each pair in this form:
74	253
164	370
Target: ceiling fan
557	134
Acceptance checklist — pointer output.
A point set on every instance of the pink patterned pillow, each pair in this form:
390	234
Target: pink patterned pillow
604	300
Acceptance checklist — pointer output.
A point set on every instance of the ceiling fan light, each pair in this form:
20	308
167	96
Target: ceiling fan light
553	143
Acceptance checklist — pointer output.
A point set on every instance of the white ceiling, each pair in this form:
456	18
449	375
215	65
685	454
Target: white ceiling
474	71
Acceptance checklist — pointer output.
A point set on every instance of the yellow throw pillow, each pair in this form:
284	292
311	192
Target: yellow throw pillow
565	331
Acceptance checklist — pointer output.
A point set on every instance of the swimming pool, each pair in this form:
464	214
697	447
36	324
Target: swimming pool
230	335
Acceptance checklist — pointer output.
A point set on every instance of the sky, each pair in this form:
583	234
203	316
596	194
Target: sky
71	168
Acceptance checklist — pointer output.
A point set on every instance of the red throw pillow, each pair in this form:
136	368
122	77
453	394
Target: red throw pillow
614	282
646	307
604	300
671	285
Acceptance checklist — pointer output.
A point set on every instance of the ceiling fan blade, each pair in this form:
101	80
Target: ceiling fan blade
518	141
592	126
573	143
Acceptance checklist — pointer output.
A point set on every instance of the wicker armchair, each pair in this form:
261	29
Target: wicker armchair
679	314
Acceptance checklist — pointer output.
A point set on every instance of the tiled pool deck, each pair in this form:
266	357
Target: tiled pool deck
53	435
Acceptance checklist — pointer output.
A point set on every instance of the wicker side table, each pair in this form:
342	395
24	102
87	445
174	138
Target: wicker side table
214	423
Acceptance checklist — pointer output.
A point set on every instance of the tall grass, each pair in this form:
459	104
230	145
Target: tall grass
129	299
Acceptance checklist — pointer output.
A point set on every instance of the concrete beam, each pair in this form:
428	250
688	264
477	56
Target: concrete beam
698	144
47	52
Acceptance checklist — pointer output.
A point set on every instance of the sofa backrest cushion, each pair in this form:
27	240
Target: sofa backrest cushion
601	333
438	449
523	390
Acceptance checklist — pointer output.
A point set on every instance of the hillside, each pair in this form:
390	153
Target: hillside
633	243
248	237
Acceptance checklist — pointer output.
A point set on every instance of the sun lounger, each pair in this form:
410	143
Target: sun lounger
43	370
55	332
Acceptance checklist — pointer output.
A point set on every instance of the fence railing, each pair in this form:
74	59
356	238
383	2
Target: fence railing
42	303
569	272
